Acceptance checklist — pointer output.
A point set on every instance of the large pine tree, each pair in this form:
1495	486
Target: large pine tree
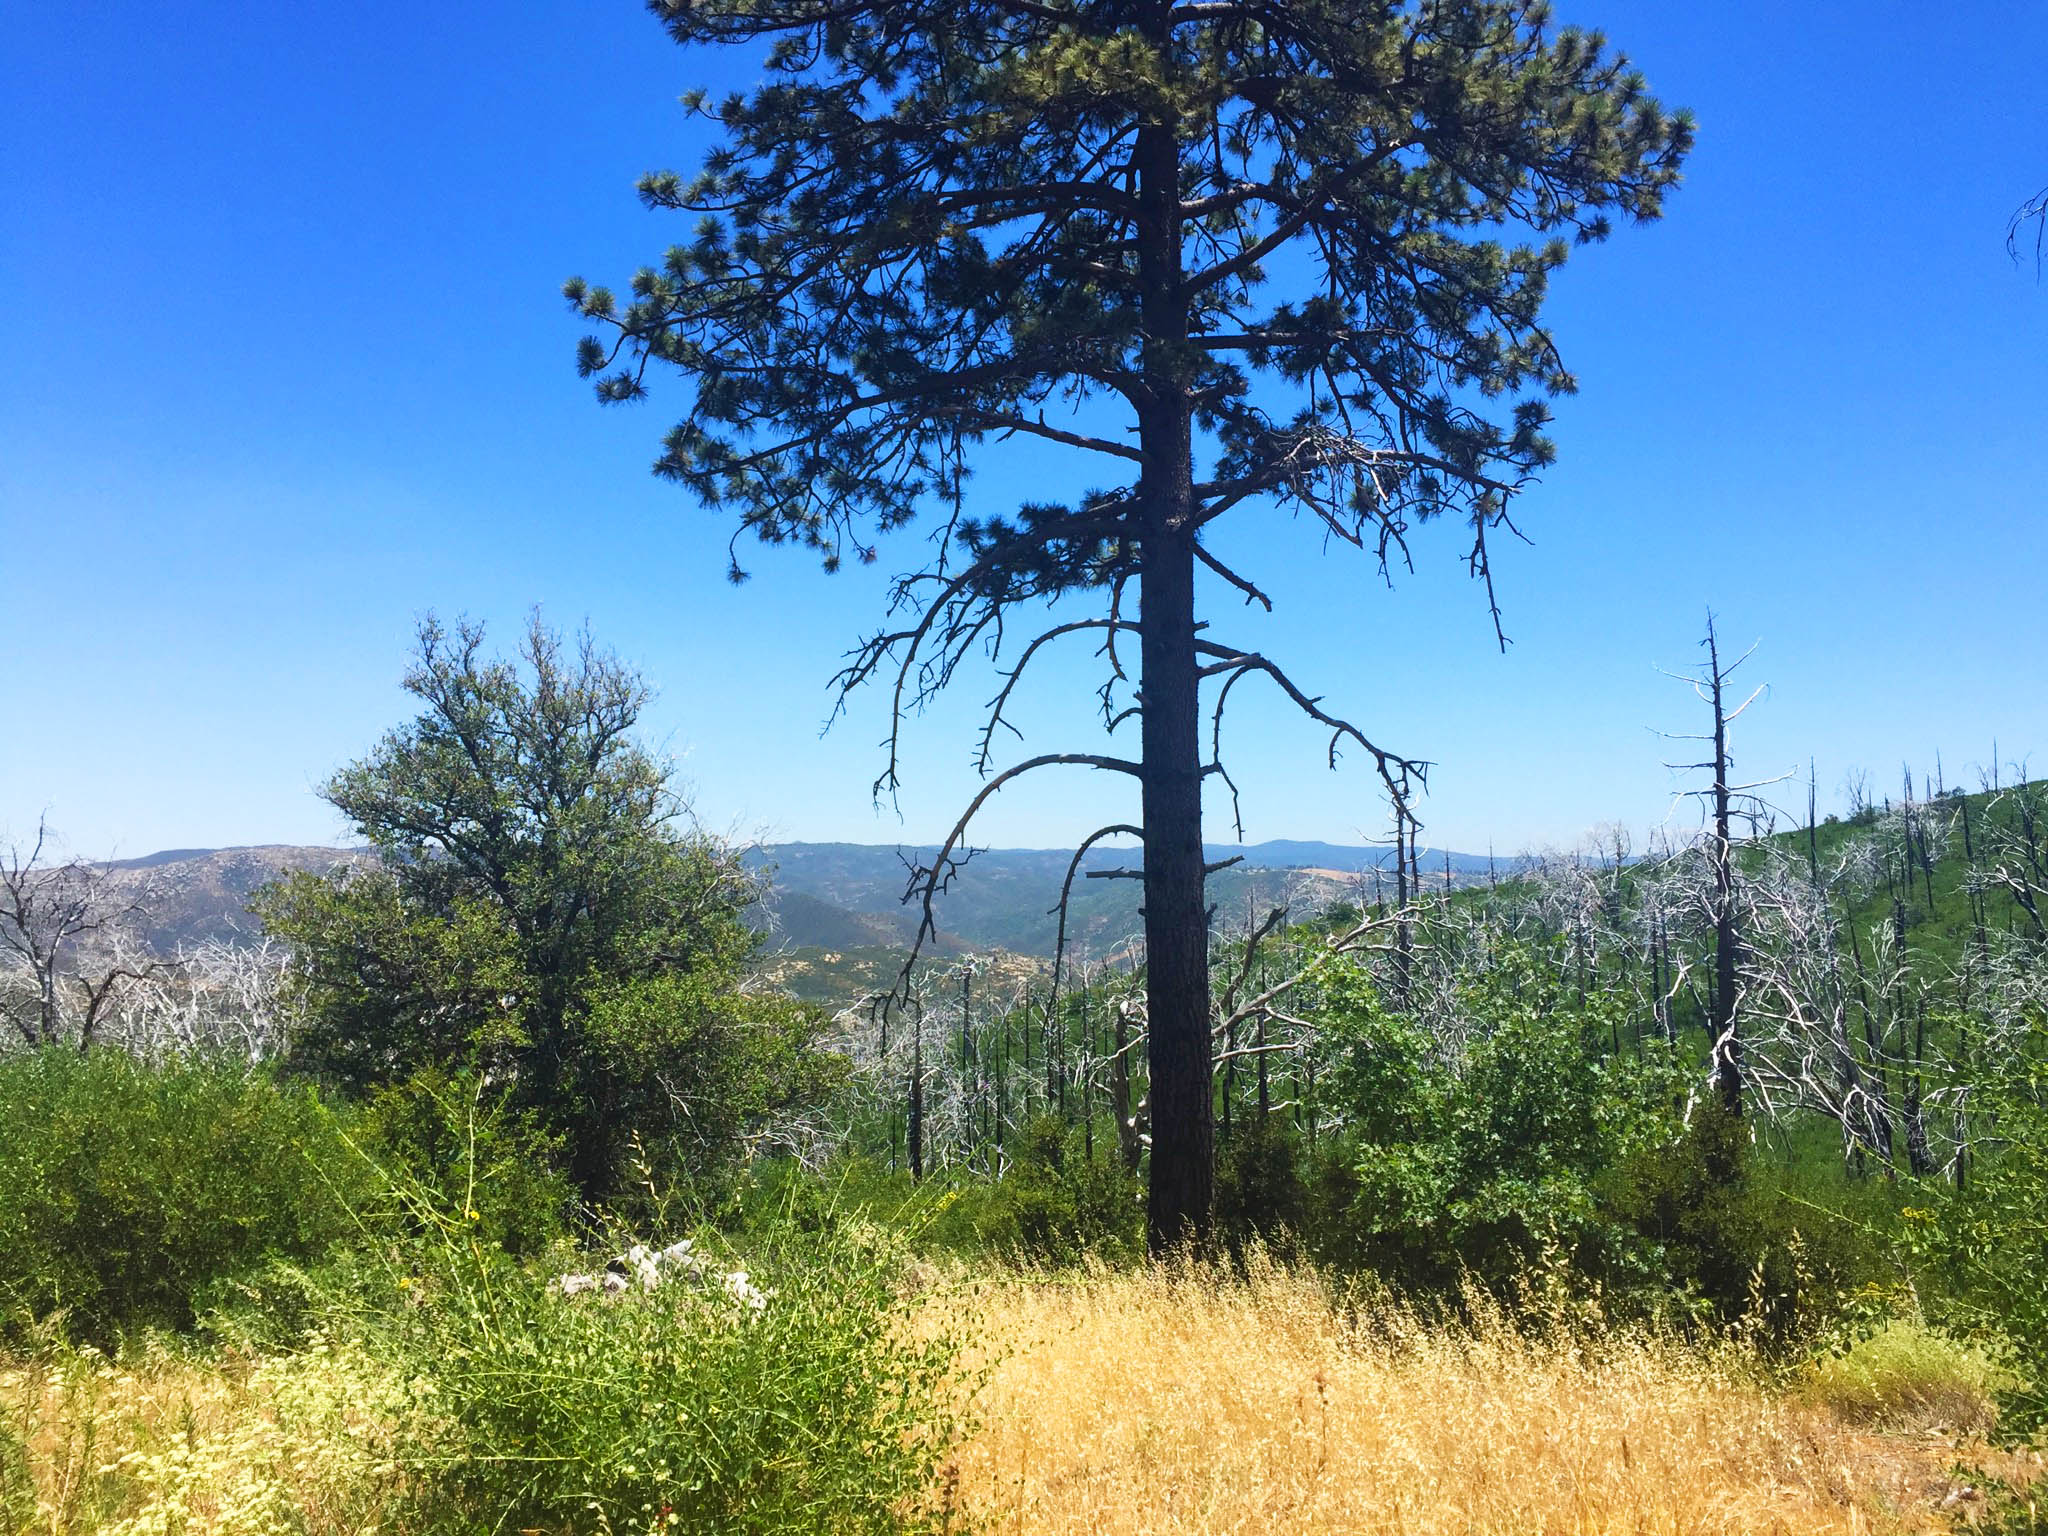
1246	254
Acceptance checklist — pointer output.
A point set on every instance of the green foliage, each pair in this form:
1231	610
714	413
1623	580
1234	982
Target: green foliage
2009	1508
131	1194
1055	1203
538	916
17	1485
1989	1240
391	983
967	190
1261	1194
1745	1236
475	1155
687	1068
1488	1163
676	1409
1904	1372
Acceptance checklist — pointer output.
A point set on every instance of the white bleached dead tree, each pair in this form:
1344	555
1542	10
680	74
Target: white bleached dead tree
67	943
1726	804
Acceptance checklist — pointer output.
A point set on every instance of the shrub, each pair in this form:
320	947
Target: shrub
1260	1192
130	1193
1056	1203
685	1077
1487	1162
1988	1242
1748	1238
473	1154
678	1408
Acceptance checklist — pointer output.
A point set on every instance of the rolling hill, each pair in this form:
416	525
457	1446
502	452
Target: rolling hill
842	896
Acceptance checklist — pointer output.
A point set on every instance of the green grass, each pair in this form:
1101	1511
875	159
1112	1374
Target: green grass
1908	1374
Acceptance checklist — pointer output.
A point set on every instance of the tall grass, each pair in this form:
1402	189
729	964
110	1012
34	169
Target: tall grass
170	1444
1187	1402
1112	1403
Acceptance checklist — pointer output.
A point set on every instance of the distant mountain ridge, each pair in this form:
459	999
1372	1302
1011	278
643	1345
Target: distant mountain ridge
196	896
1006	897
848	896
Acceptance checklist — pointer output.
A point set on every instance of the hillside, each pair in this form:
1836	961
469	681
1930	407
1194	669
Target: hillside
1005	898
194	896
839	897
1930	865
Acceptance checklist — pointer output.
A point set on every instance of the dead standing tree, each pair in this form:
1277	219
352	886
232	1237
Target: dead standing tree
1725	803
62	927
934	225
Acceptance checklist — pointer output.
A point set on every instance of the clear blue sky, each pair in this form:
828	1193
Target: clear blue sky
285	366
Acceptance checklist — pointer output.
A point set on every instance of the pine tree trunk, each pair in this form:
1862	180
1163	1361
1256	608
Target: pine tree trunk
1176	919
1176	916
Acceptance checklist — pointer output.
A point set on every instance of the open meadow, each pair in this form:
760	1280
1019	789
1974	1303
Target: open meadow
1260	1407
1169	1400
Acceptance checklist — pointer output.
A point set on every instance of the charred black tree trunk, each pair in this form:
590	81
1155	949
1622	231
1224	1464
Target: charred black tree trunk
1176	918
1722	1023
916	1093
1878	1111
1919	1157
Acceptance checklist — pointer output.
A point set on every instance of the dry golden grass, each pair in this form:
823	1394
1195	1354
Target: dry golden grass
167	1445
1170	1402
1163	1401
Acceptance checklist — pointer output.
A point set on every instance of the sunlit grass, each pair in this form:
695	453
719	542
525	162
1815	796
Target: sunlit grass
1178	1403
1907	1374
1154	1401
164	1444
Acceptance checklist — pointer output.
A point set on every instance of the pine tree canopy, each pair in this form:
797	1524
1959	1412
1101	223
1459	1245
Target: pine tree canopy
1278	254
925	229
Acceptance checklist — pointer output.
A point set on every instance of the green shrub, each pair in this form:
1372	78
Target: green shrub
1261	1195
1988	1243
131	1193
681	1408
473	1154
1746	1237
2009	1509
1485	1164
1054	1203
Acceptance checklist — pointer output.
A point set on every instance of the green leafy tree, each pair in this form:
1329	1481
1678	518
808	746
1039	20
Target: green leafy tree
538	910
1245	256
1489	1159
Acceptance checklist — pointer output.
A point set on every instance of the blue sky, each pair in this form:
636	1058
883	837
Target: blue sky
285	366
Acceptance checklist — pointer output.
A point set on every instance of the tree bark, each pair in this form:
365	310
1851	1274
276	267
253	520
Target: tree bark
1176	918
1176	914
